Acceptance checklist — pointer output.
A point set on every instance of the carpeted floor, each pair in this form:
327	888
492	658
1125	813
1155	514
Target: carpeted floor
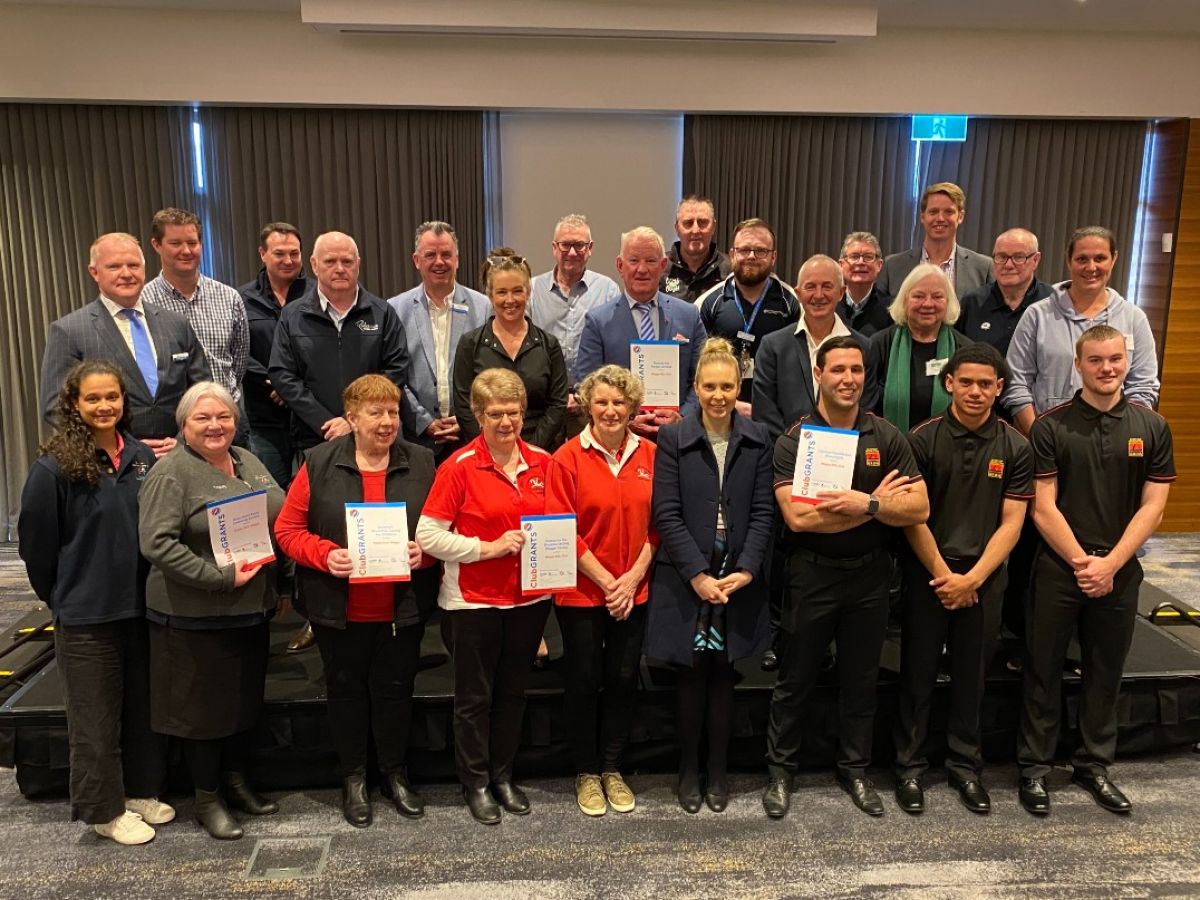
825	848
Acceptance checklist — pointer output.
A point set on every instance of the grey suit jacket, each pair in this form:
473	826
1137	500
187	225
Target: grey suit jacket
971	270
469	310
91	333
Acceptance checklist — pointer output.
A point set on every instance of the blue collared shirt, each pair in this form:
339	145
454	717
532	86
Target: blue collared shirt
562	315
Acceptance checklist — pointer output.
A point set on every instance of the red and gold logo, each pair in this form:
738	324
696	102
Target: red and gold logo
873	456
1137	447
995	468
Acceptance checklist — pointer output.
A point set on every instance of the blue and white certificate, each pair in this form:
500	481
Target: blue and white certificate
657	364
377	538
240	532
824	462
548	564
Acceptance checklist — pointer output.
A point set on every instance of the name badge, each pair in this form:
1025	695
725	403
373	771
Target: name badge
745	336
1129	343
934	367
178	357
460	307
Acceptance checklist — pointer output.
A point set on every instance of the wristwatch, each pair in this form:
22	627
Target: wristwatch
872	505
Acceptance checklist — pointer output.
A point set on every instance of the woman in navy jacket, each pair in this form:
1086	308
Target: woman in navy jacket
713	508
79	541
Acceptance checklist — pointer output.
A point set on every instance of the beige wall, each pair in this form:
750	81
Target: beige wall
88	53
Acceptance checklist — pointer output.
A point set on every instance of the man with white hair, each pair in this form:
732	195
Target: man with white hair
642	312
329	337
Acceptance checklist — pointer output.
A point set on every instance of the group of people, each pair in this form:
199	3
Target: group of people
475	410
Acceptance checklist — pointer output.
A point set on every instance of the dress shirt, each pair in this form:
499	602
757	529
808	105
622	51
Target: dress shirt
637	316
439	322
337	318
839	329
115	310
562	314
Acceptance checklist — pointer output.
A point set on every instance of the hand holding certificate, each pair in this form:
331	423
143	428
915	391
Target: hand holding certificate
548	564
656	363
824	462
240	532
377	535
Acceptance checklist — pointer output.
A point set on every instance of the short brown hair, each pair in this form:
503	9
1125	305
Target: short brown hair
950	189
497	386
278	228
617	377
1096	231
754	222
1097	333
172	215
369	389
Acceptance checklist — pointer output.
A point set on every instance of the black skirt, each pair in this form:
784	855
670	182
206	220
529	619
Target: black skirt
206	684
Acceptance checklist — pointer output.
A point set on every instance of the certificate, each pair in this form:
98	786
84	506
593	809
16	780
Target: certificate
548	563
377	536
824	462
239	531
657	364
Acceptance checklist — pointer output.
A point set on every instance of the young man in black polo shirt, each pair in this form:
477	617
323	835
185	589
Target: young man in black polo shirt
979	474
1103	467
838	568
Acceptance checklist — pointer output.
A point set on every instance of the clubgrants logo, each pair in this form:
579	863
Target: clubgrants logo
535	553
995	468
644	473
872	454
360	543
1137	447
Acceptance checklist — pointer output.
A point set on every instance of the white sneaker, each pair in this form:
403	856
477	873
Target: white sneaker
152	810
127	828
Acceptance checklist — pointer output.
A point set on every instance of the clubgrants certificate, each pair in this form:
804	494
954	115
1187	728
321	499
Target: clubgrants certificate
824	462
548	563
239	531
657	364
377	537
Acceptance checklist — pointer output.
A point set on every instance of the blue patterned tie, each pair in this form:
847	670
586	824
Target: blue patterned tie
645	326
141	350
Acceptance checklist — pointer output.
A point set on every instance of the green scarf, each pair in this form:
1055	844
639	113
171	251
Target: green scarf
897	385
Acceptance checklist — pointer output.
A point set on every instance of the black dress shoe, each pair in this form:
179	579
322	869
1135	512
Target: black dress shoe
910	797
716	795
511	797
777	798
240	796
863	793
1104	792
356	806
482	804
214	817
689	795
974	795
770	662
1033	796
408	802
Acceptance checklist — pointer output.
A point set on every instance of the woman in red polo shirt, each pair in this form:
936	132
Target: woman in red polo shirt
605	476
472	522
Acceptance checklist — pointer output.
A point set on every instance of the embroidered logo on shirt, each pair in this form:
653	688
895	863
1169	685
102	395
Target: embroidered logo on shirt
536	484
644	473
140	469
873	456
671	285
995	468
1137	447
985	326
366	326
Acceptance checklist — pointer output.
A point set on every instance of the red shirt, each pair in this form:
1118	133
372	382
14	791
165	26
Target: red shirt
612	511
475	496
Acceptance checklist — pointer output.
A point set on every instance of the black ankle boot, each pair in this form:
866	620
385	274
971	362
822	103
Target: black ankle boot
240	796
408	802
213	815
356	805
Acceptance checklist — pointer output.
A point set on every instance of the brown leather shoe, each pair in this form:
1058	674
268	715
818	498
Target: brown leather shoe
301	640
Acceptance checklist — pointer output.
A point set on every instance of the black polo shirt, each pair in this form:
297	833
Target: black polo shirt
881	448
725	313
1101	461
872	317
969	475
986	318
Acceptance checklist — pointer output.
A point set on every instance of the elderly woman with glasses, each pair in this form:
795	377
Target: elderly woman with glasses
509	340
472	521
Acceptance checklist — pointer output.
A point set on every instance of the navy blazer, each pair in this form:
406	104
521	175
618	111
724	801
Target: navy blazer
686	494
91	333
971	270
469	309
609	329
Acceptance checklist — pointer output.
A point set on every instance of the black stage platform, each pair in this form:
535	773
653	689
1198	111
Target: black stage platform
1160	708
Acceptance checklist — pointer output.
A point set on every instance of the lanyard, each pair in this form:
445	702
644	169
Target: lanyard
737	302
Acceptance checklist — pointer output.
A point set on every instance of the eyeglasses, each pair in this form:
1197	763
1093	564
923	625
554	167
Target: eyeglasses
498	417
573	246
1017	259
861	257
752	252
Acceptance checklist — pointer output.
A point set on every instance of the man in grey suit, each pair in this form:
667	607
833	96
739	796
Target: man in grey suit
155	348
435	313
943	208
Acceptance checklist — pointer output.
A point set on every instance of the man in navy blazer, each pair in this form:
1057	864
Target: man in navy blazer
427	412
102	330
609	329
943	208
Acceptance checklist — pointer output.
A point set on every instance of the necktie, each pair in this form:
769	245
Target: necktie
142	353
645	326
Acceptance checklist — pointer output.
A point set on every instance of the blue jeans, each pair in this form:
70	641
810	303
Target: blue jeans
273	446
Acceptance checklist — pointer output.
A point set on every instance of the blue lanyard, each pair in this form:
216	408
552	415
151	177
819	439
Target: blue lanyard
737	302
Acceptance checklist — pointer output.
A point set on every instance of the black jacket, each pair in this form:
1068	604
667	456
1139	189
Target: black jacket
335	480
680	281
80	542
262	315
873	317
312	362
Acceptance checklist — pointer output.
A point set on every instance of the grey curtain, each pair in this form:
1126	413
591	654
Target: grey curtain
71	172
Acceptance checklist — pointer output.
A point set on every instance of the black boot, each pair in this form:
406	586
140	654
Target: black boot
213	815
356	806
482	804
408	802
240	796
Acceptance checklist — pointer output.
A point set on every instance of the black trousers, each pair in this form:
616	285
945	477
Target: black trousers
493	655
369	672
601	654
114	754
1020	577
1105	632
207	758
970	635
827	599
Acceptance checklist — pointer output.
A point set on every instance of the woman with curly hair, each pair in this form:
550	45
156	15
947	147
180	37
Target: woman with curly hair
79	540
